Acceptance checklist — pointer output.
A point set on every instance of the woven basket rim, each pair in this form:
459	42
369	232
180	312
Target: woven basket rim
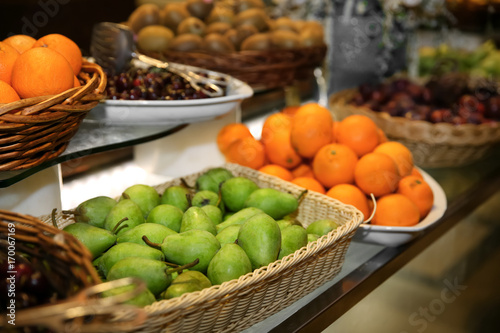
400	127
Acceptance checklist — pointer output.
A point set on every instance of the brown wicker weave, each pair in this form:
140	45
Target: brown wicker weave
260	69
432	145
34	130
238	304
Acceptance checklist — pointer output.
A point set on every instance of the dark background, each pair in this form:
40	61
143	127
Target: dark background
72	18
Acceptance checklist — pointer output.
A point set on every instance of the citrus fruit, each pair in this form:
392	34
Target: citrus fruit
248	152
359	133
350	195
20	42
376	173
309	183
7	93
334	164
8	56
230	133
311	129
277	170
395	210
65	46
303	170
418	191
40	72
399	153
290	110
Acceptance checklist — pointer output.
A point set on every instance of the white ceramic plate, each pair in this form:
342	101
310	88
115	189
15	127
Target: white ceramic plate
394	236
125	112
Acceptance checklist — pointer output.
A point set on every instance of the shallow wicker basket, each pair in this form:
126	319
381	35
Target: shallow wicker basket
433	145
34	130
261	70
238	304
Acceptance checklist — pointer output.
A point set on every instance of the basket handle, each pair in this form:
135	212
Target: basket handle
86	313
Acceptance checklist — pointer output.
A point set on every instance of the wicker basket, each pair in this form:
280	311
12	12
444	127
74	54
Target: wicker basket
261	70
432	145
238	304
38	129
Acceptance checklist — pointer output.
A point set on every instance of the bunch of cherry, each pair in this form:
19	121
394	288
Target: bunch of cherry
403	98
152	84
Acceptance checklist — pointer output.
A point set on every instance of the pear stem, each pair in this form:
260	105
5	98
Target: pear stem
119	225
150	243
71	212
125	196
183	267
302	196
53	218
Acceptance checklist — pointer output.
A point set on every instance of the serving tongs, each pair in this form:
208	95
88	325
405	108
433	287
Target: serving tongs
112	46
87	311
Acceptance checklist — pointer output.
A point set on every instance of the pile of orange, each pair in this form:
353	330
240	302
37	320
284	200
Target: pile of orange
32	67
349	160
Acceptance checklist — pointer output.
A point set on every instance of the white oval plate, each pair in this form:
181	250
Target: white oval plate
394	236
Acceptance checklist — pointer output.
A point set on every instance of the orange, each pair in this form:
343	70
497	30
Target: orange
350	195
40	72
278	171
7	93
359	133
309	183
311	129
248	152
276	139
399	153
415	172
290	110
418	191
395	210
376	173
230	133
8	56
20	42
65	46
334	131
381	136
303	170
76	82
334	164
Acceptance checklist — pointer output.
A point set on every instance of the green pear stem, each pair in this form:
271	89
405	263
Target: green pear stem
119	225
183	267
302	196
150	243
125	196
71	212
53	218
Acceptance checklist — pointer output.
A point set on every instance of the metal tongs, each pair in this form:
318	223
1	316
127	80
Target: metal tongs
113	47
86	312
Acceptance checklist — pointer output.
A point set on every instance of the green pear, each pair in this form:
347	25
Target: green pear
186	282
144	298
284	223
211	179
312	238
93	211
321	227
227	215
95	239
229	263
153	272
235	191
273	202
155	233
213	212
205	197
178	196
190	245
239	217
196	218
125	208
125	250
167	215
229	234
145	196
260	237
293	238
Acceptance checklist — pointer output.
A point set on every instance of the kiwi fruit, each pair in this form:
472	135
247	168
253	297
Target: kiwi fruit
283	23
186	43
142	16
173	14
220	14
243	5
217	43
154	38
192	25
311	38
285	39
253	16
199	8
257	42
218	27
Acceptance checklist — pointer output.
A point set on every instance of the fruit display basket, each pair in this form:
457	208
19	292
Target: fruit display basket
38	129
261	70
434	145
238	304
